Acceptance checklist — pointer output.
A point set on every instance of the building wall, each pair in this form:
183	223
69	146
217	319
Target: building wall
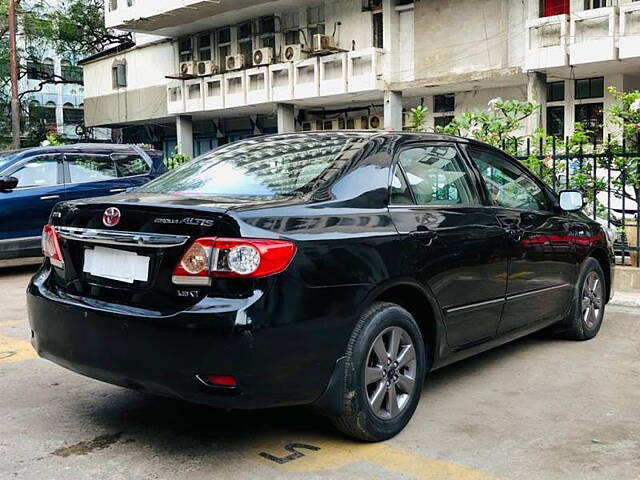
489	35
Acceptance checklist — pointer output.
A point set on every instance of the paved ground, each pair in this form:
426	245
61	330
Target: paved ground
540	408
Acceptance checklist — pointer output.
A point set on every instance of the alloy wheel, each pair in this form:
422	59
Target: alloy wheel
390	373
592	295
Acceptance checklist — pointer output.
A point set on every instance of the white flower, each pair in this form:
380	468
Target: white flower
493	104
474	130
635	106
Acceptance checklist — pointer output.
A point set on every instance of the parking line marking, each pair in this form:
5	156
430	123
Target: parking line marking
336	454
13	351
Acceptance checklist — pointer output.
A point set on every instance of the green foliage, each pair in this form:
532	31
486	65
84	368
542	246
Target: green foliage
176	160
418	117
54	140
496	126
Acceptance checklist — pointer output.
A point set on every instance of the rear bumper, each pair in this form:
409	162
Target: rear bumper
274	364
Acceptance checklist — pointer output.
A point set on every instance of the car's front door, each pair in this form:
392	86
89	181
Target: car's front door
25	210
542	266
453	242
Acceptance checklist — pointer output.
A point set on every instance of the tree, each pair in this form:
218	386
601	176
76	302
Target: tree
72	28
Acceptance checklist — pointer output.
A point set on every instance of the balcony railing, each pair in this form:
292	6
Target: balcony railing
593	35
331	75
629	41
547	42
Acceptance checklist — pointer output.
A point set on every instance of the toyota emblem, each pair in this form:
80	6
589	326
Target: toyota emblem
111	217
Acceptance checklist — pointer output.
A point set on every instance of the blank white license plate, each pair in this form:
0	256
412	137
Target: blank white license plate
116	265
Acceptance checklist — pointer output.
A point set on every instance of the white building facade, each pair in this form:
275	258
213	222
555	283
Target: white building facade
204	73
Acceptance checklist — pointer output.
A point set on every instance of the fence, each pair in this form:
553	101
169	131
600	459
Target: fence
608	174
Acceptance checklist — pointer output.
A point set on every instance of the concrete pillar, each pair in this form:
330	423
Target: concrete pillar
184	129
537	92
391	41
392	110
286	118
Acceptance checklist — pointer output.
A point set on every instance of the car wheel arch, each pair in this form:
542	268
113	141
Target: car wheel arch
598	253
411	296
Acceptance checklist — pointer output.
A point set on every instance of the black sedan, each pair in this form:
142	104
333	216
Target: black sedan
332	269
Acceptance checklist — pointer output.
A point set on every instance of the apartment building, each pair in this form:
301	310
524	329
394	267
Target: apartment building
202	73
61	106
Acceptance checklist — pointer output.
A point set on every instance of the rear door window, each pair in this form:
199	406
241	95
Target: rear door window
436	175
90	168
129	165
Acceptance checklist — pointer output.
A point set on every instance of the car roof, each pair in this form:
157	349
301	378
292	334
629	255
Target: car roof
427	136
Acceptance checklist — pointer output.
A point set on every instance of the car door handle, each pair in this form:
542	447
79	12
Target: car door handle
49	197
425	236
514	234
117	190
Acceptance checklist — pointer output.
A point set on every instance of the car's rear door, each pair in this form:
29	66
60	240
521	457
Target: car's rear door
542	266
453	243
90	175
25	210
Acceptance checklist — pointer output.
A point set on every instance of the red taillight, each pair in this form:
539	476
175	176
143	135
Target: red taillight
222	380
51	246
232	258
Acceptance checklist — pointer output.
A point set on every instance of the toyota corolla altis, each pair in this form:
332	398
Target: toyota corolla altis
334	269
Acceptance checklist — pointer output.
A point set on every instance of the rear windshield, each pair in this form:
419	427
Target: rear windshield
279	166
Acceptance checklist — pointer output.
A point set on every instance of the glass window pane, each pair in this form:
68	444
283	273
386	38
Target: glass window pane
555	92
444	103
582	88
597	87
39	172
400	194
91	168
436	176
130	165
555	121
508	186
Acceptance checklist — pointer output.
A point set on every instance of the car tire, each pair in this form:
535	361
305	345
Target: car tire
588	304
371	386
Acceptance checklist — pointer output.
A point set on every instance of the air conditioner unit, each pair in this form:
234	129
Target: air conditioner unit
206	67
376	122
358	123
293	53
263	56
324	42
187	69
234	62
311	125
338	124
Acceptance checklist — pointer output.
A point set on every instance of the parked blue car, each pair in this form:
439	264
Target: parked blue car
33	180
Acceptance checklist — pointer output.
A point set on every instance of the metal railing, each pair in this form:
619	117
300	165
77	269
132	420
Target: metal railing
608	174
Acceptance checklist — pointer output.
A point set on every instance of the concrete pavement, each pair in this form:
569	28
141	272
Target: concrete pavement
540	408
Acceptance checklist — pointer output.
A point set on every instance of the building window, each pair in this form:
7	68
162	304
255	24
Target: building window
590	88
245	42
49	113
72	115
554	7
443	120
315	21
204	47
40	71
119	75
291	28
555	91
378	33
555	121
71	73
224	46
113	5
591	4
591	117
185	45
444	103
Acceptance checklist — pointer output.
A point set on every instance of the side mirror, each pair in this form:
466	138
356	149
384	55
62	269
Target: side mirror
571	200
8	183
